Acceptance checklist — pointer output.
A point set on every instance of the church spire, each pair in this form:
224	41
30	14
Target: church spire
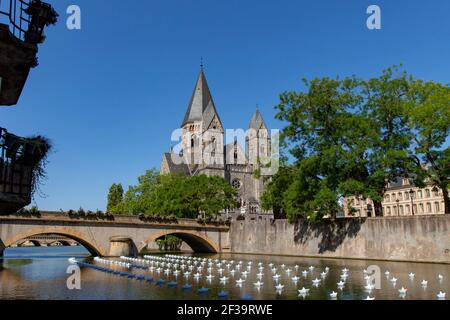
201	101
257	121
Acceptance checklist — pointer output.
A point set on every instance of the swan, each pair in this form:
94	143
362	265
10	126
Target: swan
288	271
402	291
197	275
441	295
333	295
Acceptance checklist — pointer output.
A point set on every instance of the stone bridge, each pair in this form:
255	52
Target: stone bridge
121	235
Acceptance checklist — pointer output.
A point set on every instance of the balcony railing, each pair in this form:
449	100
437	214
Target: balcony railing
27	18
15	174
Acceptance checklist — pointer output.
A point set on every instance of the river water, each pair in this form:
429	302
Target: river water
41	273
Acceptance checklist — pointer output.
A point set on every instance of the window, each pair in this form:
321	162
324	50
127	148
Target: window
408	209
406	195
236	183
421	208
427	193
192	142
428	207
414	208
400	196
395	210
388	198
436	193
436	207
419	194
388	211
401	211
393	197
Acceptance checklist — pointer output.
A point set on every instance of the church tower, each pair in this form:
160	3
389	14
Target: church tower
203	133
258	149
258	140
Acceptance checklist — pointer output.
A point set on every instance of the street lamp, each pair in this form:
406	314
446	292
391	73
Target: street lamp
411	195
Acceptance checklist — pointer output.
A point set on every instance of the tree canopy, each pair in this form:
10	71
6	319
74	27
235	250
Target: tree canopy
353	136
177	195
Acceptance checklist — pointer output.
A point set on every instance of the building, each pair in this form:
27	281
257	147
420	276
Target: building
203	149
401	199
22	24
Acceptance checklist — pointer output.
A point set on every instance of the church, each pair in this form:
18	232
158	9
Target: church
203	148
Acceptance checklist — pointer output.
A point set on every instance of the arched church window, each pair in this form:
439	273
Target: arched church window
192	142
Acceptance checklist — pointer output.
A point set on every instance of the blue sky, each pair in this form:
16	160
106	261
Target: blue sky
110	94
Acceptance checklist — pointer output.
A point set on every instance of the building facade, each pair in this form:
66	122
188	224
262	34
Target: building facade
401	199
203	148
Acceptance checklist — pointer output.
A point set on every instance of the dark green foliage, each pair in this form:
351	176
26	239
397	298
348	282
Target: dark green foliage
352	137
176	196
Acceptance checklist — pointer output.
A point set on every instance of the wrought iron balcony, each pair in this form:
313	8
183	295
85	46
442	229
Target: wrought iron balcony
22	24
20	168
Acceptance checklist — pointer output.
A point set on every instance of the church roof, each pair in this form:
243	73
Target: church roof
180	168
257	121
201	107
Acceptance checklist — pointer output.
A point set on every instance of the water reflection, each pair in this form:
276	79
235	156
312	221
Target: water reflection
40	273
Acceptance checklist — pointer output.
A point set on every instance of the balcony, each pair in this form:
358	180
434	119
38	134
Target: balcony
21	166
22	24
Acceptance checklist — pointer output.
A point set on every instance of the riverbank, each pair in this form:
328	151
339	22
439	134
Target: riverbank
407	239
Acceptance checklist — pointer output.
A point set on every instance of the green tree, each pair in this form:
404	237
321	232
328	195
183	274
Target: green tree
430	123
178	195
115	197
348	137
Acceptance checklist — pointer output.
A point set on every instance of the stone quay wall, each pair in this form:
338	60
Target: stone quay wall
418	238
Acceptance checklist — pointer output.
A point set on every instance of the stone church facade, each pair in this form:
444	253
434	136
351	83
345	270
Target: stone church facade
203	149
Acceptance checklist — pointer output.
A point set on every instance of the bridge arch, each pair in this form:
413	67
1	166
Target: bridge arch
80	237
199	242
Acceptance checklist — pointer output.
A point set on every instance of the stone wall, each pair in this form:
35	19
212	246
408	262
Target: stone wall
419	238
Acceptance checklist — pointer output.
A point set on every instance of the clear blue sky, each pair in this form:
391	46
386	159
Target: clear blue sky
110	94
